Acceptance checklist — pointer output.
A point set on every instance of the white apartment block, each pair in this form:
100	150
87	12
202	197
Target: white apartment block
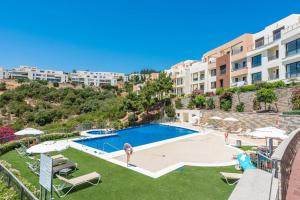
269	55
276	51
34	73
96	78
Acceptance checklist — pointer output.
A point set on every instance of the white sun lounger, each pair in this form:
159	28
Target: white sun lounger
231	176
88	178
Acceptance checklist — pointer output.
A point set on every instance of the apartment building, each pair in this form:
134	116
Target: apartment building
269	55
180	74
96	78
34	73
275	52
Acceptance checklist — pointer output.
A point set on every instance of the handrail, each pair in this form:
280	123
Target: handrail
23	188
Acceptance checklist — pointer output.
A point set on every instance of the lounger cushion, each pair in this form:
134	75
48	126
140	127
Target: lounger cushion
69	164
81	179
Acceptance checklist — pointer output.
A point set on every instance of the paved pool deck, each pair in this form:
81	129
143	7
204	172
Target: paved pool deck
205	148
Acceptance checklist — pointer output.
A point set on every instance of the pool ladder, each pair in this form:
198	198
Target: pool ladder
106	143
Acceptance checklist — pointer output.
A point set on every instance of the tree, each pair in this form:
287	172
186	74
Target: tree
267	96
199	101
170	111
55	84
2	86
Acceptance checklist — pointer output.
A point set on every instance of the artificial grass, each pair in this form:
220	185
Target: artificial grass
201	183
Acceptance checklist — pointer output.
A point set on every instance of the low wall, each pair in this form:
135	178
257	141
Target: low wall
252	120
283	103
284	157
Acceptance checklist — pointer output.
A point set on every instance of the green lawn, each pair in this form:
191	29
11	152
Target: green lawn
120	183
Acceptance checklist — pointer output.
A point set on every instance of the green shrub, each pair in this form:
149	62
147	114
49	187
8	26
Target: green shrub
210	104
220	91
199	101
240	107
170	111
132	118
2	86
266	96
7	193
247	88
278	84
226	101
191	105
226	105
295	99
293	112
55	84
178	104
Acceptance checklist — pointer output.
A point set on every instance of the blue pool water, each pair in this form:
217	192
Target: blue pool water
135	136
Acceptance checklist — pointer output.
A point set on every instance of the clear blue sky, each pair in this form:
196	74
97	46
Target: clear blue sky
125	36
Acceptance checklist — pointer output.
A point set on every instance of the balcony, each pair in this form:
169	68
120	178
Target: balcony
273	57
273	77
195	79
239	83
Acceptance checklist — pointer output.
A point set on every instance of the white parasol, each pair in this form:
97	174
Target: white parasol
48	146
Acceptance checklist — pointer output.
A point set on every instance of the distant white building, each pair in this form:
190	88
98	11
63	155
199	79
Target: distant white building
96	78
34	73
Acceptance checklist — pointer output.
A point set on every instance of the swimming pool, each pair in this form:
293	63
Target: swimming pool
136	136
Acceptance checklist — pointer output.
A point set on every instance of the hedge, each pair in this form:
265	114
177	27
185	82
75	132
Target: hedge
17	143
256	86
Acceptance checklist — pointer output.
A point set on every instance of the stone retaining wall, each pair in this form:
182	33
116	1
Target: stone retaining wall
283	103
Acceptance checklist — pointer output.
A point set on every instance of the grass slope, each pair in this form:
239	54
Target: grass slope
201	183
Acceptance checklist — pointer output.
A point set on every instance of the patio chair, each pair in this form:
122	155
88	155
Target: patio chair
235	177
59	161
22	150
73	182
34	167
68	164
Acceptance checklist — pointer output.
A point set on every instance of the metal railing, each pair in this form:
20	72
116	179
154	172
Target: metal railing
273	57
11	180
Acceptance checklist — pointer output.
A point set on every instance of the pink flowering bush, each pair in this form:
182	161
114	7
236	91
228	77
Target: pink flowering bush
6	134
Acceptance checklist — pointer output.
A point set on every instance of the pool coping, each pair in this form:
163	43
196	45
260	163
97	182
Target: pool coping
110	157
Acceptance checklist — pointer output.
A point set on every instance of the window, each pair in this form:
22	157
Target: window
195	76
256	60
244	63
293	70
202	76
223	69
293	47
213	72
236	79
256	77
259	42
277	33
201	87
213	85
244	78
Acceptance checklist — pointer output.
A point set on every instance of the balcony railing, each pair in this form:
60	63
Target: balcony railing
273	57
293	74
239	83
195	79
235	68
273	77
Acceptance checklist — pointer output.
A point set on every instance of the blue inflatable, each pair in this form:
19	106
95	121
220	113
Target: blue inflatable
245	161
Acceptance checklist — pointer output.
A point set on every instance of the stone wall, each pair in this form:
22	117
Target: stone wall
252	120
283	103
